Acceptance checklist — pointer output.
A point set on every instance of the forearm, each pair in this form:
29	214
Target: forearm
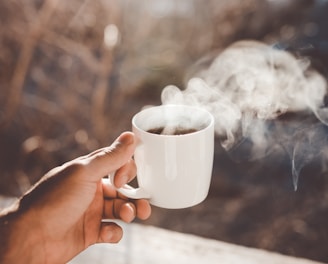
19	241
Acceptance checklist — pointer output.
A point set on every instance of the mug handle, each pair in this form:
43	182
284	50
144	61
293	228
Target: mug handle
129	191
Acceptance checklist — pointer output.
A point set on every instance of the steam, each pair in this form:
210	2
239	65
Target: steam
247	88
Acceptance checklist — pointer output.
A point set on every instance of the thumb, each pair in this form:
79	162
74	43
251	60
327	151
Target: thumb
106	160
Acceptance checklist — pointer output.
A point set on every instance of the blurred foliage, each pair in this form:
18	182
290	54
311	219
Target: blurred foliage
74	72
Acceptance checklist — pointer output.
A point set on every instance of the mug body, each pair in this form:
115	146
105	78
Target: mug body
174	167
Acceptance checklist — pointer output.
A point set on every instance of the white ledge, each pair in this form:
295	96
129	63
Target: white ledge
151	245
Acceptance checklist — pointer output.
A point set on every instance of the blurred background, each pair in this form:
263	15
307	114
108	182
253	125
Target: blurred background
73	73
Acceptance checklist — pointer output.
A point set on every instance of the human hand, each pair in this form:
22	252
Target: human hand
62	215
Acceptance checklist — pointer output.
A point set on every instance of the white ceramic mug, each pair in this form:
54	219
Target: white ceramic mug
173	171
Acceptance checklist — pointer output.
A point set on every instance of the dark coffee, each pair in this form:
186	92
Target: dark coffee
176	131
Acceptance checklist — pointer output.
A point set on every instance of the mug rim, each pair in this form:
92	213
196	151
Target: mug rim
209	125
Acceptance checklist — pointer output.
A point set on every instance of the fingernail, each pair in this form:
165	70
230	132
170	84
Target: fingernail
128	212
131	217
114	233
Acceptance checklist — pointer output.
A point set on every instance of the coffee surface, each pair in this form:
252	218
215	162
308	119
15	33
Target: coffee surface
172	131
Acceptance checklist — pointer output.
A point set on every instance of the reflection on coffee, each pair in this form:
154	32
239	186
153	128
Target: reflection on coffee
172	131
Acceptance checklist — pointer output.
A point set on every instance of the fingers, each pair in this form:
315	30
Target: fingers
143	209
117	206
110	191
119	209
104	161
126	210
125	174
113	233
110	233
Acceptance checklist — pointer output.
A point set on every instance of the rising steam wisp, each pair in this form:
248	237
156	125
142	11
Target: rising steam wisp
250	84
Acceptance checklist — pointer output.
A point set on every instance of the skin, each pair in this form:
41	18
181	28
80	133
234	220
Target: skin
63	213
